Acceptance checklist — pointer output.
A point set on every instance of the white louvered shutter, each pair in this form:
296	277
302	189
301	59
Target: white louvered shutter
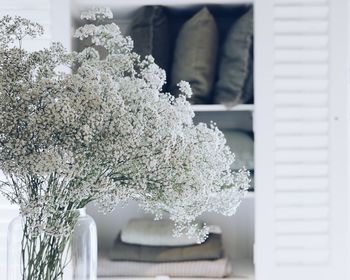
54	15
301	140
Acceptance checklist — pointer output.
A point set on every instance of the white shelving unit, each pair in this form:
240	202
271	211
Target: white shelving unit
299	214
238	231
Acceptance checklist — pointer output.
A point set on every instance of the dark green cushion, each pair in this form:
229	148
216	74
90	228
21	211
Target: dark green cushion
150	32
195	55
235	83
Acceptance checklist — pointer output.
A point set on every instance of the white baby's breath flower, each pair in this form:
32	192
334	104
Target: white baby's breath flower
185	88
97	13
105	132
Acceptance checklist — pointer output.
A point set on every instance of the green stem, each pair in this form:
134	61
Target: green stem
44	256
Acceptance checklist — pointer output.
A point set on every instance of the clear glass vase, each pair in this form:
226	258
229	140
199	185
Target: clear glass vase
43	256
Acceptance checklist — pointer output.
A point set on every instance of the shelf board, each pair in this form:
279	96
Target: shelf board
223	108
113	3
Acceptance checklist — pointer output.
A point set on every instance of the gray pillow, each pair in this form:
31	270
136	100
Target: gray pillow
150	32
195	56
235	83
242	145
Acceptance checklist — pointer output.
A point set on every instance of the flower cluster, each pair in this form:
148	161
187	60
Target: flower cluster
105	132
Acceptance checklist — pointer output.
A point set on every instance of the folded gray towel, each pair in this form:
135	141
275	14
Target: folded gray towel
154	233
211	249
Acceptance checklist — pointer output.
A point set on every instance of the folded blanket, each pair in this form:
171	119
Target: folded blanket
211	249
153	233
215	269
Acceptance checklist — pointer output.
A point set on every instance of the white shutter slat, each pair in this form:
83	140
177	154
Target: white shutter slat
301	170
291	42
302	227
297	127
300	26
295	71
301	56
301	100
314	241
301	142
302	199
300	2
302	184
309	156
301	12
294	84
301	113
302	257
302	213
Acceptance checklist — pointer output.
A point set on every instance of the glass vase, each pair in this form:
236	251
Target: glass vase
44	256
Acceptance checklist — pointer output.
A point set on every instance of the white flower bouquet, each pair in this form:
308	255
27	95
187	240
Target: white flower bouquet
103	131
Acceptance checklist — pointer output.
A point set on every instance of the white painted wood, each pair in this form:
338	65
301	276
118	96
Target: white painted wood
300	41
294	127
302	258
222	108
264	138
300	55
302	184
300	12
302	85
301	216
294	198
286	26
300	99
301	113
307	71
302	227
301	170
303	2
302	241
309	156
113	3
301	141
297	213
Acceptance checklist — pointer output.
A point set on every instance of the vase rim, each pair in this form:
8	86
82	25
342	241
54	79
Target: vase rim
81	211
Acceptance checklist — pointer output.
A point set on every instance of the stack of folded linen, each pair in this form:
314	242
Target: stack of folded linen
147	248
